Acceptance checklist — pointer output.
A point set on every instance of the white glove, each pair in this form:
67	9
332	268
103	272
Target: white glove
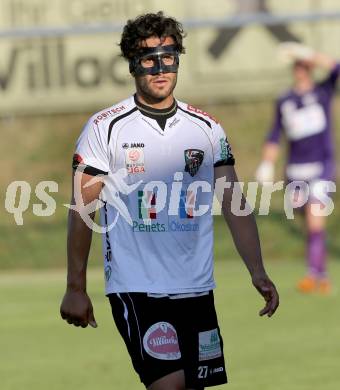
265	172
288	52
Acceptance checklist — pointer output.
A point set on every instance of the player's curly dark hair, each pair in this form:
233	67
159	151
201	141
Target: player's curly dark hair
146	26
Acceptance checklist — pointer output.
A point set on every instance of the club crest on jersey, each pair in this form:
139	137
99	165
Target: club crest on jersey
193	160
134	160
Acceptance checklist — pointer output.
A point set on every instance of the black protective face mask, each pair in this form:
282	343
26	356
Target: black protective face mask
155	60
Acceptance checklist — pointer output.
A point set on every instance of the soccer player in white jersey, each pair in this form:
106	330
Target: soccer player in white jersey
159	159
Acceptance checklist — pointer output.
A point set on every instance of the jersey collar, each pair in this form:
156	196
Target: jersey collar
158	114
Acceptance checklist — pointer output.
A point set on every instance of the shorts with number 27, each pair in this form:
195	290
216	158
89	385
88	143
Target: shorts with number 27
164	335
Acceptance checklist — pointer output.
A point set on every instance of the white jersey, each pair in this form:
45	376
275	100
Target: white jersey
165	245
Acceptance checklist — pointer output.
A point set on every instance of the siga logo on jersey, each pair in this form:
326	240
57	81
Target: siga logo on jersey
161	342
193	160
134	160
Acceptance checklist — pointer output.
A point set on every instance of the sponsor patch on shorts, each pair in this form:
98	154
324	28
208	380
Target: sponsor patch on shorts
160	341
209	345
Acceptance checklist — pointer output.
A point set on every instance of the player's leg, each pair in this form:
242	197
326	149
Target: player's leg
173	381
317	250
149	331
201	342
316	278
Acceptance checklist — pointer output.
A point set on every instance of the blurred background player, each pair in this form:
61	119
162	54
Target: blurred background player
303	113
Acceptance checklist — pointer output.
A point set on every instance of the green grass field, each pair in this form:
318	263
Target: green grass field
298	349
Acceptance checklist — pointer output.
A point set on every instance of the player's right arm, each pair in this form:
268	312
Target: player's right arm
76	307
90	163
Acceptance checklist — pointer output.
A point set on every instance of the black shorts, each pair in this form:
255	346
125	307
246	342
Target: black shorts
165	335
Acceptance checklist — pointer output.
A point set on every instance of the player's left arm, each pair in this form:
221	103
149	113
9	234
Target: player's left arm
323	61
332	66
245	235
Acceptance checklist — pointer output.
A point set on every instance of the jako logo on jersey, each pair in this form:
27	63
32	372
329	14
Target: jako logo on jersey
160	341
134	160
125	145
137	145
193	160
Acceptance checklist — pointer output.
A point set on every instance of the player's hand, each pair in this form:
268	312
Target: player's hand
289	52
268	290
265	172
76	308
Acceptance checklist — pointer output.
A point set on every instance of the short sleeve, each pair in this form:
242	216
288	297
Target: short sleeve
276	128
221	147
91	150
